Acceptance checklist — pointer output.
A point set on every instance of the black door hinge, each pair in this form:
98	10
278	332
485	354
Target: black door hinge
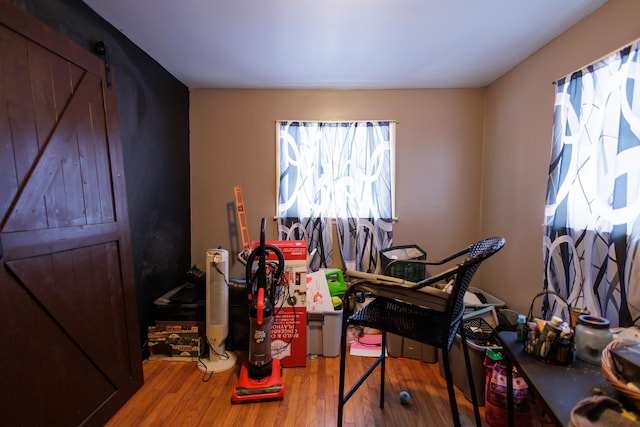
101	49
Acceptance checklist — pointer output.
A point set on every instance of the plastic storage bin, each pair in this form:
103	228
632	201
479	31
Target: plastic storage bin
490	300
323	333
411	272
477	353
398	346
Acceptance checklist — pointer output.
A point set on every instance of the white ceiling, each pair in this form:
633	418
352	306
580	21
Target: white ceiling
341	44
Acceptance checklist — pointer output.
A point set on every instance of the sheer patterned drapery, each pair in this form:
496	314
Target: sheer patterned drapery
341	171
592	213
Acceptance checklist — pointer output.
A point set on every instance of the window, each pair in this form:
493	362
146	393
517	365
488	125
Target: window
592	213
335	169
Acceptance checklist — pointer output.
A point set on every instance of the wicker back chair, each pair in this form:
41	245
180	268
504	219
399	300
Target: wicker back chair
415	310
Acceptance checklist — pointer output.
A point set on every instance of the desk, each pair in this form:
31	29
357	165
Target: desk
559	387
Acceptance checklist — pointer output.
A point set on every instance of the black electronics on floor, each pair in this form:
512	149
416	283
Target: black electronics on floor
185	302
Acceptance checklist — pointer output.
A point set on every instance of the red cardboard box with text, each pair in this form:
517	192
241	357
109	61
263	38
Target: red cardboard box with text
289	330
289	337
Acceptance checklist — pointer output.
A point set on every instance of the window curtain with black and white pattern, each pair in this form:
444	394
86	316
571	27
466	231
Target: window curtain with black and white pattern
340	171
592	213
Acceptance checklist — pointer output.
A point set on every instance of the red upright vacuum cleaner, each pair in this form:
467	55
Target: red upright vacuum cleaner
260	375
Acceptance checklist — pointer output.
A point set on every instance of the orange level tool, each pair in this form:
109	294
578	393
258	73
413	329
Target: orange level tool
242	220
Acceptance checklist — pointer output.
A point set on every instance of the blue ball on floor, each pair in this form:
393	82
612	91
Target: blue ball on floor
405	397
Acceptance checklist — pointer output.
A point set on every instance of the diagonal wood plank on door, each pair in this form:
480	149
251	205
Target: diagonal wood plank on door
56	150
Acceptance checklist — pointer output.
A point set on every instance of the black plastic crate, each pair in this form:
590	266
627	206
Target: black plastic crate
406	271
479	339
479	332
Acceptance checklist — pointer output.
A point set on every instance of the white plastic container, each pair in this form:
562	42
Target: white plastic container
323	333
491	300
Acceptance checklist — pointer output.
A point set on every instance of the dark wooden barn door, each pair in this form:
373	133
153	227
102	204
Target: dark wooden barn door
69	340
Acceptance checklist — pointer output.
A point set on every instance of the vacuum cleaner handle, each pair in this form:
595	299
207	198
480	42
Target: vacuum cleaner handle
250	277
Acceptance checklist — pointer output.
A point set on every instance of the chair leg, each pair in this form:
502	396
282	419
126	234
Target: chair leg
343	360
344	397
450	389
382	367
472	387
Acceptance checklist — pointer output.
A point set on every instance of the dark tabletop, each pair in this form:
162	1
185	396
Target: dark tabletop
560	387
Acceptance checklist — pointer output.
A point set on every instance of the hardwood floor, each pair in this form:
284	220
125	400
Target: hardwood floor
174	394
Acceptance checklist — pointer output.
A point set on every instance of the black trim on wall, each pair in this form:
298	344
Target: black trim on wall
154	124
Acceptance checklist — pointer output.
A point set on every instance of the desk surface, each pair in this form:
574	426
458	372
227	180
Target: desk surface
560	387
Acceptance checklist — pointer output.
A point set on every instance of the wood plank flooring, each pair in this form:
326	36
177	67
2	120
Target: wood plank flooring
174	394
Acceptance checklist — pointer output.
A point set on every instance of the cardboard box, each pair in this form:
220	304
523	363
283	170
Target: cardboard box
289	337
178	341
293	250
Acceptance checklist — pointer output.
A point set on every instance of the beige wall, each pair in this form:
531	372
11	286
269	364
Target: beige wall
518	123
439	147
451	191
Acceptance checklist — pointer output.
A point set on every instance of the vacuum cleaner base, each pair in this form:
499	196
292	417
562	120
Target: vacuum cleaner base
258	390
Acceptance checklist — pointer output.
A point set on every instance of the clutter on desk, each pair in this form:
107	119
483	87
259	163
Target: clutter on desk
601	411
592	336
520	328
626	361
621	367
550	340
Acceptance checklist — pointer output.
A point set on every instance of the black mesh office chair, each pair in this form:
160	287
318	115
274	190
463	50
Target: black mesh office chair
419	311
